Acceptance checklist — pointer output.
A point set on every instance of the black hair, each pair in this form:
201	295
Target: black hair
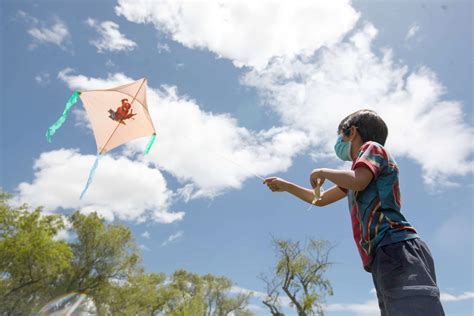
369	124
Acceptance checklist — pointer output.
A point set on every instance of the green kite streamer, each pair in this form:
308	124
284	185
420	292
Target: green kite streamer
150	143
53	128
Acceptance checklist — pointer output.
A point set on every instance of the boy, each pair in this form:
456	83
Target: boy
401	264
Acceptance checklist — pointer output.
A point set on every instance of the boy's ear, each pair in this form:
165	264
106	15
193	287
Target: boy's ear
353	131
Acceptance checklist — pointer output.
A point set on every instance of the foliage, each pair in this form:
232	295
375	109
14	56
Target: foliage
30	258
299	273
101	260
207	295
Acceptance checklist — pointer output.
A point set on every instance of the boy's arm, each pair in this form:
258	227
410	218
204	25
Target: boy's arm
356	180
327	197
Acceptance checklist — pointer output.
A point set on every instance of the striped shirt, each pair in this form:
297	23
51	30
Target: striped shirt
375	211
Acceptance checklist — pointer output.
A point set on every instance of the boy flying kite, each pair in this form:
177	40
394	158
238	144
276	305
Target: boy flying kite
400	262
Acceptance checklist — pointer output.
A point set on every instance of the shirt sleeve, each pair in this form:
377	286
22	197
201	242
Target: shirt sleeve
373	157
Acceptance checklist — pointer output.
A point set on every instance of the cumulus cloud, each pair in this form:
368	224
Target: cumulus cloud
207	152
312	67
250	33
56	34
122	188
314	95
53	32
110	38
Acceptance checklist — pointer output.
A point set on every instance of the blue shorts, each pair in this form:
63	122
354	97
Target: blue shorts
405	280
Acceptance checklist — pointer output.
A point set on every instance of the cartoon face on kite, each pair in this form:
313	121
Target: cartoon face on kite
111	128
123	112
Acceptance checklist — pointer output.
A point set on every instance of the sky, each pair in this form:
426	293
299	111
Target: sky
238	89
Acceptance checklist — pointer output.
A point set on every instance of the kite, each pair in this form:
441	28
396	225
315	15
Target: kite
117	115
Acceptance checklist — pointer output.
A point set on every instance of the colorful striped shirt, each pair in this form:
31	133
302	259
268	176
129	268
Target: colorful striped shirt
375	211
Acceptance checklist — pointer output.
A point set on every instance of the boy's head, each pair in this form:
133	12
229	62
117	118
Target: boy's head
369	124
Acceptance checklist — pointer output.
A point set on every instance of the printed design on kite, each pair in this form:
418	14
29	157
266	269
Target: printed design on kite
123	112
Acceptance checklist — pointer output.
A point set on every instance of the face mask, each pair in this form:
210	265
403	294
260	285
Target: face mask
343	150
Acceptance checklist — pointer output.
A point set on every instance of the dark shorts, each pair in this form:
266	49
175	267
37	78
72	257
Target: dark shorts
405	280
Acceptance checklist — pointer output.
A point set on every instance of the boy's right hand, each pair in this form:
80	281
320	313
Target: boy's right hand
276	184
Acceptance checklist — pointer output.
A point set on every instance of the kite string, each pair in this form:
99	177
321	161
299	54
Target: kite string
318	190
239	165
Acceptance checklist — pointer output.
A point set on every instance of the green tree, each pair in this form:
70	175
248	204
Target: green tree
207	296
31	260
299	273
101	253
139	295
100	260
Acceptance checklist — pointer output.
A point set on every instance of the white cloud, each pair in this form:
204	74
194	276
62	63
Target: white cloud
197	147
313	78
43	78
371	307
146	235
81	119
250	33
368	308
283	300
446	297
110	38
26	17
173	238
315	95
163	48
66	233
122	188
57	33
79	82
412	31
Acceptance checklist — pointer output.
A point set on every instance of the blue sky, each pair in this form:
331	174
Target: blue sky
264	84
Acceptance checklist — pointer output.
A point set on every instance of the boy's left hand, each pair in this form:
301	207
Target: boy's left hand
317	177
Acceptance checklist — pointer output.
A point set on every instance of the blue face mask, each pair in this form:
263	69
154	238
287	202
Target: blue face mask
343	150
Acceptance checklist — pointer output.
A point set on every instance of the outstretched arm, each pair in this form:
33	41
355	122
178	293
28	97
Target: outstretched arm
356	180
327	197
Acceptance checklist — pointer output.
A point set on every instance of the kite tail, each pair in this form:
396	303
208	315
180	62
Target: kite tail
91	175
53	128
150	143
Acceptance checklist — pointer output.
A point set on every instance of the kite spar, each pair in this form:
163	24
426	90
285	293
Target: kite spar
117	116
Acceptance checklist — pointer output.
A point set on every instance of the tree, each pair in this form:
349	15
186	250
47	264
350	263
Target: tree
207	296
102	253
299	273
138	295
101	260
30	258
